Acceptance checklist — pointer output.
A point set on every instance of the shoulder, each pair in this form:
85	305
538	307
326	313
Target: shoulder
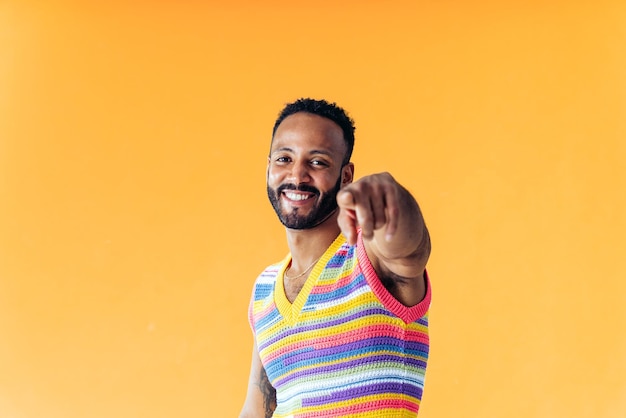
270	272
263	290
268	276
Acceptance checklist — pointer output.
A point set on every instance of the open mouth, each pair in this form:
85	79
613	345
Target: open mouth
296	196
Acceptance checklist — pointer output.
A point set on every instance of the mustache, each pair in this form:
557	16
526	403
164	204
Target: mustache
300	188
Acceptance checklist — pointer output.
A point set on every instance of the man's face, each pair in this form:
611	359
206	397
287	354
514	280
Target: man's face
304	172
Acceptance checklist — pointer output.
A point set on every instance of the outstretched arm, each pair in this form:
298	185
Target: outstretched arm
261	397
395	235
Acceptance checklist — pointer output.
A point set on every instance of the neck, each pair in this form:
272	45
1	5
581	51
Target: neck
307	245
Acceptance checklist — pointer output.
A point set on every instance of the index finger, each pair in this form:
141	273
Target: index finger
347	217
345	199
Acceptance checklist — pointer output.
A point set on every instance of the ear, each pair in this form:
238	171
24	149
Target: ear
347	174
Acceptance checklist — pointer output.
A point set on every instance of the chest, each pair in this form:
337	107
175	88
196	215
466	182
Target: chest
293	287
348	329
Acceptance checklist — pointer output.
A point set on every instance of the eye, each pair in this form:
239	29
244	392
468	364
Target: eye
283	159
319	163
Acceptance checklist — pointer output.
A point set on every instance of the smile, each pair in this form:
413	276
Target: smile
297	196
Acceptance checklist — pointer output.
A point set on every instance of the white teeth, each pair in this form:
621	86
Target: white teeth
296	196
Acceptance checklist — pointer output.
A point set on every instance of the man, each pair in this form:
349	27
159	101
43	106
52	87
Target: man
341	324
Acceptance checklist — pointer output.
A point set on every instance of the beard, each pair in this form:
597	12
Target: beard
323	209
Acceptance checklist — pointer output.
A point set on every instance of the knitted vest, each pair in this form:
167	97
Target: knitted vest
346	346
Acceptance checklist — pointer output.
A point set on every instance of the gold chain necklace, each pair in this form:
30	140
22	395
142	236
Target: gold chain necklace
304	272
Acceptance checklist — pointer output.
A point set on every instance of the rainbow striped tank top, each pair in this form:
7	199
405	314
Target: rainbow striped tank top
346	346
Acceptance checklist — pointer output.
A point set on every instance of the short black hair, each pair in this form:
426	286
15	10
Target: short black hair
324	109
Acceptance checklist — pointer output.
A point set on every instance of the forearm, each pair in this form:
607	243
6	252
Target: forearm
261	396
410	239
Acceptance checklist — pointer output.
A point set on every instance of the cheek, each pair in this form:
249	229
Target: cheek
331	181
273	177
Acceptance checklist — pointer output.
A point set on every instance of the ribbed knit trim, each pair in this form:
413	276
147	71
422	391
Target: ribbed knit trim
291	311
406	313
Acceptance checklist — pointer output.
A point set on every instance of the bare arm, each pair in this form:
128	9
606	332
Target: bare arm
395	235
261	396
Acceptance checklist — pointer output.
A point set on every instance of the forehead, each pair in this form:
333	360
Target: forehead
303	130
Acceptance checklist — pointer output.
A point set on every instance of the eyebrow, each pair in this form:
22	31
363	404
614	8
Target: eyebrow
315	151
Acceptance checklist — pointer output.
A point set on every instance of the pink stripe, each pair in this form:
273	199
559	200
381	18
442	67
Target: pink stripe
327	288
263	313
414	335
352	336
363	407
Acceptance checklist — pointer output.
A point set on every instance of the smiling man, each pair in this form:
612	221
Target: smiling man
341	324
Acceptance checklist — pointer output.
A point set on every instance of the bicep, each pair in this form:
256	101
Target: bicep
261	396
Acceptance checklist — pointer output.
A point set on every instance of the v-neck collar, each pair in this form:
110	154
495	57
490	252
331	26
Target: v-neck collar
291	311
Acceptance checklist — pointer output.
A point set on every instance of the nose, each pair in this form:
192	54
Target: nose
300	172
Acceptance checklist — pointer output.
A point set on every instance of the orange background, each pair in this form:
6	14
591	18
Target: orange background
133	215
